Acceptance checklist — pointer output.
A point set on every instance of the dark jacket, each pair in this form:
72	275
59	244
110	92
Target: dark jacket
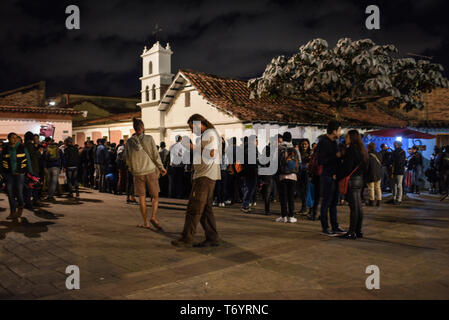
35	157
415	161
15	159
386	157
399	161
102	155
374	172
351	160
71	157
327	156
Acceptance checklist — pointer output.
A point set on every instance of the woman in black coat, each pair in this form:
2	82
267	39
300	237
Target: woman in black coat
374	175
355	161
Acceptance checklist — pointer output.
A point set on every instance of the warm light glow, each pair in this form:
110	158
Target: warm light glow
52	103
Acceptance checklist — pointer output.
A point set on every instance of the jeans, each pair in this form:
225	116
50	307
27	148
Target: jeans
329	202
221	187
72	179
30	193
14	189
287	197
374	190
316	180
130	185
397	187
355	204
176	182
249	186
52	180
386	183
102	178
419	181
268	183
302	188
121	184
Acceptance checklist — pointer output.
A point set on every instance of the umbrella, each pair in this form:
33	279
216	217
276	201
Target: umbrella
404	133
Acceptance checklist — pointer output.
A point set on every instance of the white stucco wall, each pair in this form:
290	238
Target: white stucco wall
125	129
63	128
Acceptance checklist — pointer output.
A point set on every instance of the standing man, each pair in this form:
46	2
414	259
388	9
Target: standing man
385	157
329	157
145	165
206	172
102	157
176	177
15	162
289	162
165	158
52	161
399	160
71	165
35	158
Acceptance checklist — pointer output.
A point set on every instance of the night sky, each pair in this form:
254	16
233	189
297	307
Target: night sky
227	38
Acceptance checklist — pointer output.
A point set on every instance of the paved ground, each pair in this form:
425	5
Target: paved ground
259	259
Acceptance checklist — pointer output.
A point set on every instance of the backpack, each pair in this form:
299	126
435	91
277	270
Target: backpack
288	160
52	153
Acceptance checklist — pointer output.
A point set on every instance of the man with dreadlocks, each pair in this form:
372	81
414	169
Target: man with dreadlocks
206	166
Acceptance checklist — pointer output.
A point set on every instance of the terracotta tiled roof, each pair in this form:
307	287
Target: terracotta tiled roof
233	96
48	110
436	110
111	119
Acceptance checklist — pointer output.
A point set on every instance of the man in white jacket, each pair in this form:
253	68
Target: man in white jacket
145	164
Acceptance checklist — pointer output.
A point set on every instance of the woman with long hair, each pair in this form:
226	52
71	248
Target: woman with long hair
355	163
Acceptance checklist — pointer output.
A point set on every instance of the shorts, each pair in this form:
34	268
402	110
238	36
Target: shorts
150	180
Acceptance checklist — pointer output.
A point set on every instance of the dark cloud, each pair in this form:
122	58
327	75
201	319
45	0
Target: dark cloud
229	38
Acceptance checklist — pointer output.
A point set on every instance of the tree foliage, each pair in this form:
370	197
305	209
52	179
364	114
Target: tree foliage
352	73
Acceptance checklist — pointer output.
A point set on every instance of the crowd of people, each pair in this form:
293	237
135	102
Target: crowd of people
321	175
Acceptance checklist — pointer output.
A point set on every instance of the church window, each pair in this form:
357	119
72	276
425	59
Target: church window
150	68
153	92
147	94
187	99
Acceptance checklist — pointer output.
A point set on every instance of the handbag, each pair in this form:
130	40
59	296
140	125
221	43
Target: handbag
344	183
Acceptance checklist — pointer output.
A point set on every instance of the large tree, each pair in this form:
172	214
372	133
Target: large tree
352	73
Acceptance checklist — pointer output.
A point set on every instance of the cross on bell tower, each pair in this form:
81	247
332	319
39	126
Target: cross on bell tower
156	31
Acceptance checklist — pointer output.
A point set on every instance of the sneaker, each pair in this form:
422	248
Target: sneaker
291	220
338	231
281	219
222	205
215	203
245	210
254	204
228	202
328	233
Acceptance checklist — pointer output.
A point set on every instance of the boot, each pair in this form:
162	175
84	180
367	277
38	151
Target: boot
370	203
378	203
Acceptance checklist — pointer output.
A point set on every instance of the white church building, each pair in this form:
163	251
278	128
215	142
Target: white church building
168	100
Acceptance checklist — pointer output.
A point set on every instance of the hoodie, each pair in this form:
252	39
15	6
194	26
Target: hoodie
142	156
